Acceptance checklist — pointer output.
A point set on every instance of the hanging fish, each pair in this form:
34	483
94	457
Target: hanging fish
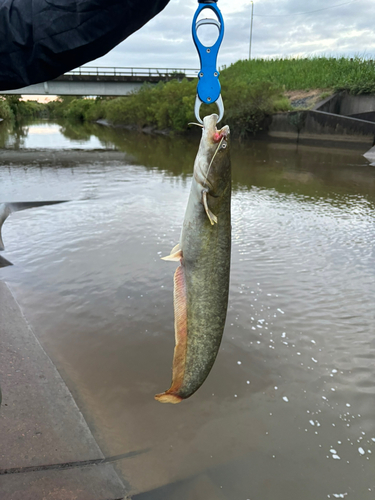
201	282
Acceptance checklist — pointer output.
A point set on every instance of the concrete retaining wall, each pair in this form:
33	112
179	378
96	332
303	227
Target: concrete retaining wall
368	116
356	104
331	104
321	125
342	103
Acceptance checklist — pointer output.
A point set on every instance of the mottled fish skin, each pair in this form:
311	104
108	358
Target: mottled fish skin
202	279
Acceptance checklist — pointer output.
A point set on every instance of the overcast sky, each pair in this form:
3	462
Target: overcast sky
281	28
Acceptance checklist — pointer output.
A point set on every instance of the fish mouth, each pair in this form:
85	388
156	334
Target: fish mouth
223	133
209	126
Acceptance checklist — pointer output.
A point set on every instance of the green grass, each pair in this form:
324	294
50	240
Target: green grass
355	75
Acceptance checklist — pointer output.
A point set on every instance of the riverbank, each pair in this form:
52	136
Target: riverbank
311	121
47	448
252	91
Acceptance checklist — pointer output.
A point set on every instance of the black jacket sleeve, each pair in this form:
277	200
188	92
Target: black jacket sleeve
42	39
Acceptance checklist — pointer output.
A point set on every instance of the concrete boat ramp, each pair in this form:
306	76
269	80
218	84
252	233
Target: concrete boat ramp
47	450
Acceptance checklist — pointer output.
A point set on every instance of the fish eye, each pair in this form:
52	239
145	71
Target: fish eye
224	145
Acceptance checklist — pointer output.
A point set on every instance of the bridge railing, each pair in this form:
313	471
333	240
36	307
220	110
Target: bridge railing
142	72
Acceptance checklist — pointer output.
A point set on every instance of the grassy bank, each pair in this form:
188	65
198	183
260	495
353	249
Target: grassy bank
252	90
356	76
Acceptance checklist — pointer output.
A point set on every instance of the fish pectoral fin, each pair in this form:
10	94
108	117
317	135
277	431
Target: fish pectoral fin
174	257
176	248
210	215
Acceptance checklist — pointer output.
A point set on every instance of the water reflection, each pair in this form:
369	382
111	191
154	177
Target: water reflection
291	396
12	134
46	135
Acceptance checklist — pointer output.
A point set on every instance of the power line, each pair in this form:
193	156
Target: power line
308	12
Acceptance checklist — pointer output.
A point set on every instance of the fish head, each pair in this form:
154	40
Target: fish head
214	155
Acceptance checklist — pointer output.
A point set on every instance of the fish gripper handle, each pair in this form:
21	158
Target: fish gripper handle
208	88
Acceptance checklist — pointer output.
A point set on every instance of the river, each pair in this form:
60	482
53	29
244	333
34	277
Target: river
287	412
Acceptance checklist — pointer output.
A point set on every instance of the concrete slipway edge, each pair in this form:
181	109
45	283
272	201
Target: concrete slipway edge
46	447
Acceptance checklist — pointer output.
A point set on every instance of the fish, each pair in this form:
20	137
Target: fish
7	208
201	282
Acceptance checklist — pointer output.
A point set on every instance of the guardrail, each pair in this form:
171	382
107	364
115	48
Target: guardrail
141	72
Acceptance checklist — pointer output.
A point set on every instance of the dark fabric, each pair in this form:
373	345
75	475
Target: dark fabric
42	39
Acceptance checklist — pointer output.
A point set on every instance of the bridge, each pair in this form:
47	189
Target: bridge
104	81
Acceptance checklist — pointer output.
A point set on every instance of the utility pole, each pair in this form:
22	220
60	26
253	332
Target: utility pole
251	28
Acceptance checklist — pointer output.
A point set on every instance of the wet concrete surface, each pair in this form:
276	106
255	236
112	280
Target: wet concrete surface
47	449
41	157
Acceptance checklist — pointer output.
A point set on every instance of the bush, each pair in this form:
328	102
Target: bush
58	107
249	105
171	105
5	110
20	109
165	106
79	109
96	111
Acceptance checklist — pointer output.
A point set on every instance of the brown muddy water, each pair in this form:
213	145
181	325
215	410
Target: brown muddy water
288	411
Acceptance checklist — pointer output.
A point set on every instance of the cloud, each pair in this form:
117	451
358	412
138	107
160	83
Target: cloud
278	31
